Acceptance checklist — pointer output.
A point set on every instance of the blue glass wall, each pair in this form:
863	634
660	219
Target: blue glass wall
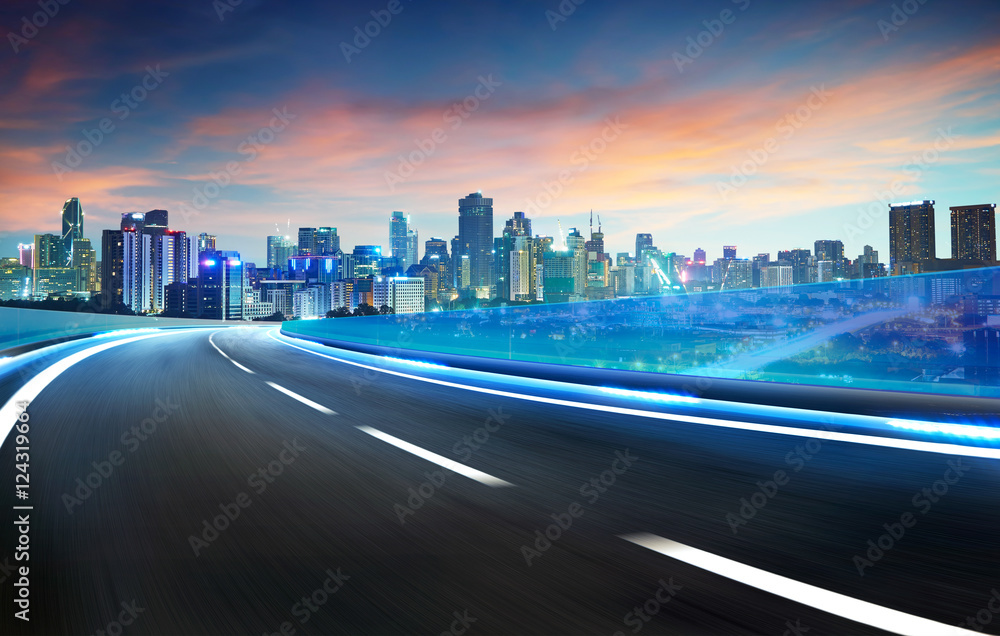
935	333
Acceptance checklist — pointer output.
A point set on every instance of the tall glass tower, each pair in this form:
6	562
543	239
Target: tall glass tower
72	228
475	238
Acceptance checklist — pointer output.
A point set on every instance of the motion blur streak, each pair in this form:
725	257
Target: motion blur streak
850	608
28	392
915	445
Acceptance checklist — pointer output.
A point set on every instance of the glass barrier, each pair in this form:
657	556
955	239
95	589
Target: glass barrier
934	333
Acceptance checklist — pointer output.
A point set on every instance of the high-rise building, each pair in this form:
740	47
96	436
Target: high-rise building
26	254
49	252
220	285
643	242
729	252
911	236
307	241
475	238
514	259
206	243
402	294
84	260
169	262
366	261
829	250
399	224
112	267
559	271
15	280
280	249
738	274
974	233
326	242
577	246
412	247
72	228
699	257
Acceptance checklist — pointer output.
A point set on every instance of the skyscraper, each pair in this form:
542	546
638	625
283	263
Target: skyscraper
280	249
911	236
412	248
72	228
326	241
699	256
112	267
220	285
513	258
398	226
643	242
828	250
49	251
475	238
974	233
307	241
206	243
729	252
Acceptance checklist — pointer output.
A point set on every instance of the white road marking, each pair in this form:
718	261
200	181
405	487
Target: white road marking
34	386
304	400
853	438
212	342
444	462
831	602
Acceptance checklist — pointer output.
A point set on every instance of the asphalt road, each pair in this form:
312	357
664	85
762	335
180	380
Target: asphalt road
337	509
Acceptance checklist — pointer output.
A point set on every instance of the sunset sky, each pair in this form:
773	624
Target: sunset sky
915	103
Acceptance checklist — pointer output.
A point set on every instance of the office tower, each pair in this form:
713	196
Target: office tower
760	262
729	252
72	228
169	262
366	261
15	279
803	265
325	241
699	257
911	236
512	252
412	247
738	274
577	246
456	254
84	260
156	219
973	232
274	242
828	250
26	254
436	257
475	238
280	249
870	256
541	245
206	243
220	285
833	251
49	251
112	267
399	224
306	241
559	271
643	242
595	246
402	294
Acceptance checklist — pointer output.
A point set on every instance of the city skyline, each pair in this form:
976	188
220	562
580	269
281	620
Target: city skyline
824	120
